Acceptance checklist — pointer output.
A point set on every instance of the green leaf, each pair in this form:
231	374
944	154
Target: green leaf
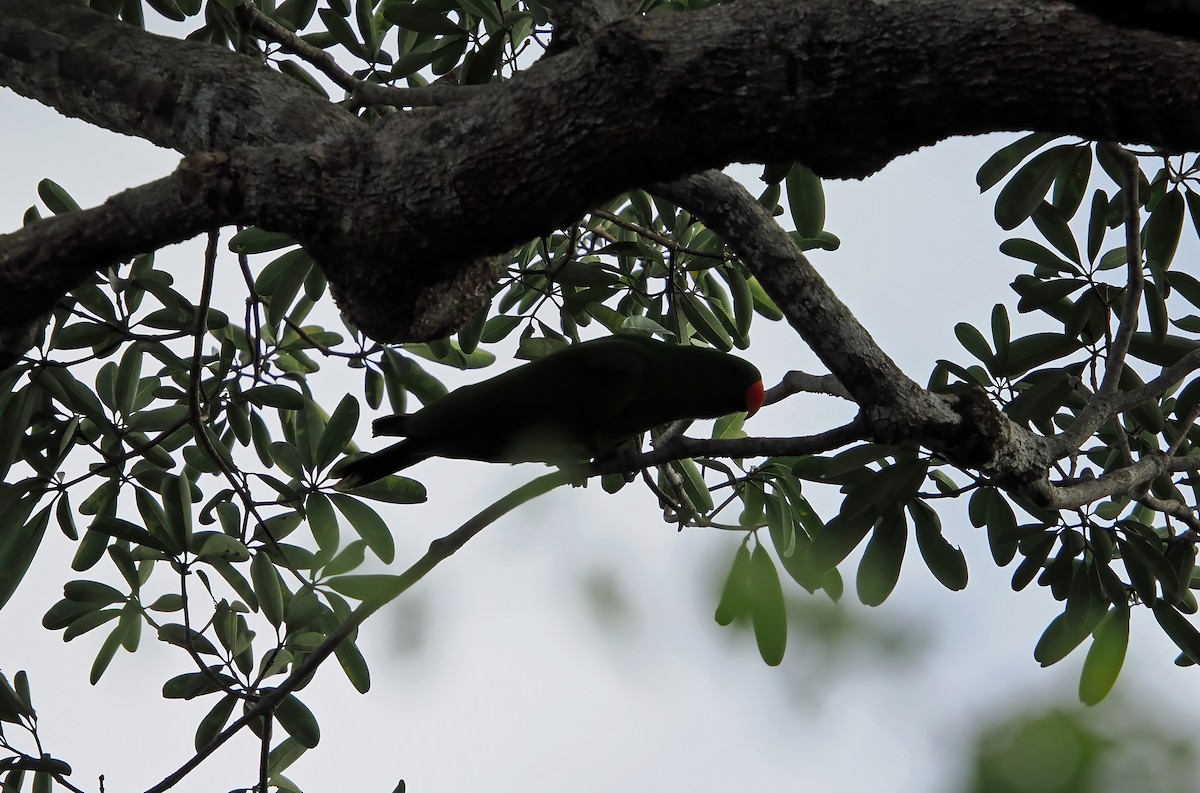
19	543
338	431
975	343
1054	228
1097	224
1105	657
349	558
763	303
837	539
364	16
486	60
1025	190
214	721
806	200
1163	352
128	378
1036	550
276	396
945	561
122	529
693	485
865	501
256	240
1037	349
196	684
181	636
299	722
354	665
323	523
421	19
92	592
370	527
497	329
705	322
1002	162
768	614
1163	229
1176	626
176	492
1072	181
108	651
280	282
267	588
393	489
14	422
364	587
89	622
56	199
12	706
735	594
287	752
1156	310
879	569
1059	639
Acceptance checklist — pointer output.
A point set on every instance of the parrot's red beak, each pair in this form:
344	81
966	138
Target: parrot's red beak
754	398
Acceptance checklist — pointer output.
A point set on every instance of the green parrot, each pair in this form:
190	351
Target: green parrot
566	408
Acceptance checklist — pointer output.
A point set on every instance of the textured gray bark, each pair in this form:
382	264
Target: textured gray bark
404	217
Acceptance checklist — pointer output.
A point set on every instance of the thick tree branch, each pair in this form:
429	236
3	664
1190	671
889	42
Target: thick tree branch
408	214
182	95
893	404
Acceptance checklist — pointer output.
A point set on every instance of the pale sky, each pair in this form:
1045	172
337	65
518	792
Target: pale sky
497	673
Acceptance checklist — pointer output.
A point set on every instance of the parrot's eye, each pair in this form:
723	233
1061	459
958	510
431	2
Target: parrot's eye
754	398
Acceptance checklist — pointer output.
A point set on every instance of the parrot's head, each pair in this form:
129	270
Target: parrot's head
755	394
735	382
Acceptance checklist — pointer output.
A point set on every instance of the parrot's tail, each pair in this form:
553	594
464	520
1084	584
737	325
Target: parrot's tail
367	469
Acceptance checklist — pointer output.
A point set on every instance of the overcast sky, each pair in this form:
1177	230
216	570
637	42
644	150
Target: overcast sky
500	672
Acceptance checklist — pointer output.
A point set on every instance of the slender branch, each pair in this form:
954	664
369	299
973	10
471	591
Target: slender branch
200	328
264	751
254	19
682	448
797	382
650	234
1175	509
1115	363
393	586
1185	427
1122	480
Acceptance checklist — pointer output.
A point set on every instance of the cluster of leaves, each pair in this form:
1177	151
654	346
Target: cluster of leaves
1085	289
162	404
1098	560
182	450
180	418
1044	380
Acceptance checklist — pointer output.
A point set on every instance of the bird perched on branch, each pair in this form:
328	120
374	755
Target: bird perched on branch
568	407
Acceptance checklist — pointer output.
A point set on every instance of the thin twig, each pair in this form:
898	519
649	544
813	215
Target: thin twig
1115	363
682	448
797	382
254	19
652	235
